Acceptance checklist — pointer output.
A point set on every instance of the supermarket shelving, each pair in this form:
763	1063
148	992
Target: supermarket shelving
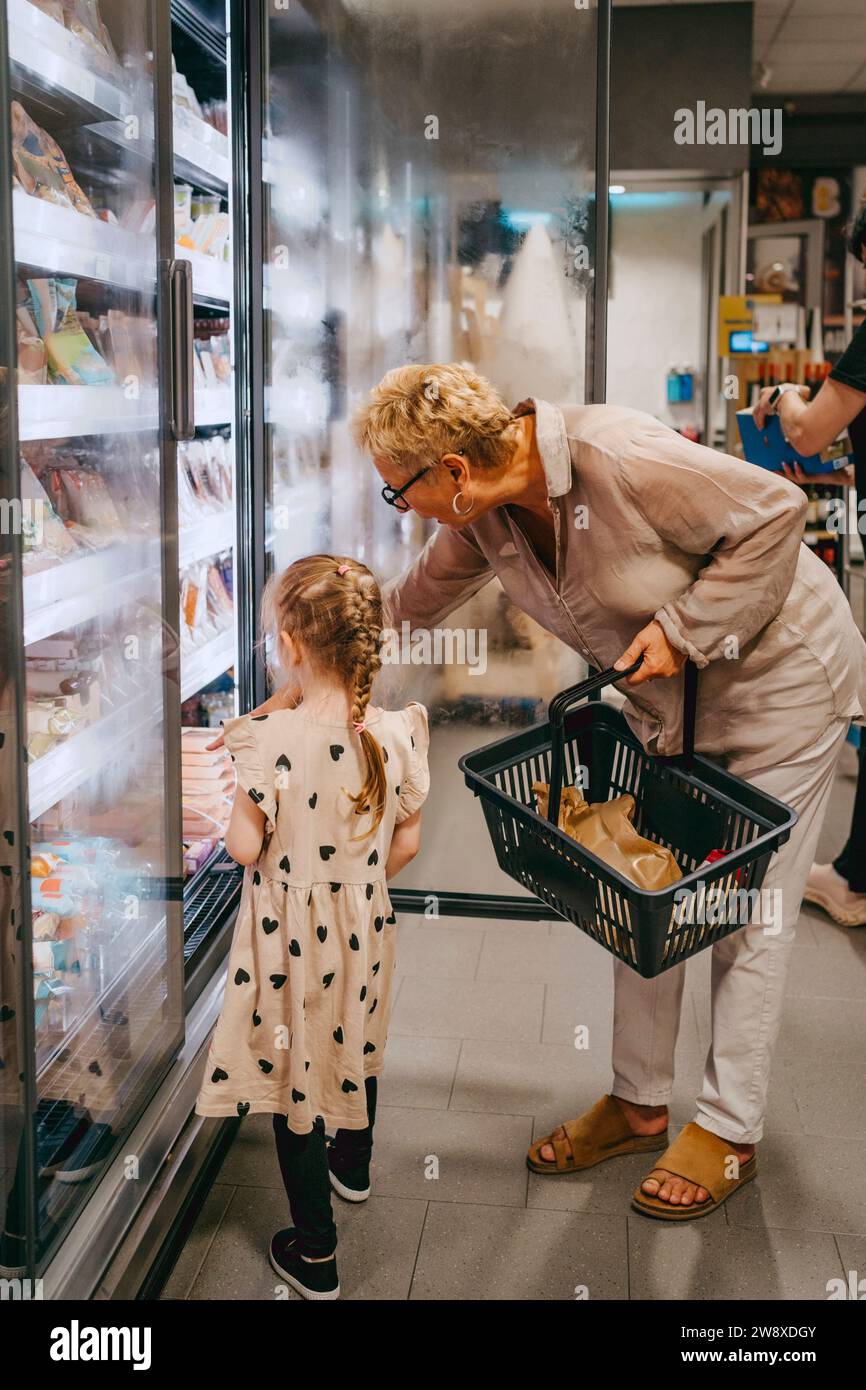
88	586
61	240
85	754
201	152
65	412
211	279
209	536
201	665
48	60
213	405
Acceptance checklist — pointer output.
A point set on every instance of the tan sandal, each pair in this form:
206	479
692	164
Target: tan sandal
600	1133
700	1157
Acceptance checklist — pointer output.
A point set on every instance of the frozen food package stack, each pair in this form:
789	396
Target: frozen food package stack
46	541
64	692
82	18
79	496
39	165
72	358
208	789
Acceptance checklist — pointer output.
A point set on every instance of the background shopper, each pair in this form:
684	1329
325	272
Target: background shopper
839	888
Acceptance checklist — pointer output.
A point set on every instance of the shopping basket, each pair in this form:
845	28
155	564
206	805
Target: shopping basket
685	802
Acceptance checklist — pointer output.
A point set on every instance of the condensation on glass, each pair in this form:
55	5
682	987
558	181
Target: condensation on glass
94	643
429	177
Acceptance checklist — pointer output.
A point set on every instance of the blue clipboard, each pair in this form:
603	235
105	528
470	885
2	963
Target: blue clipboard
770	449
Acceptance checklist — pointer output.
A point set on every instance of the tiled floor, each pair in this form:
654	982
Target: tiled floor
481	1057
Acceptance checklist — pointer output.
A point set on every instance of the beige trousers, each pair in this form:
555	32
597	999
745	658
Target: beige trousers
749	968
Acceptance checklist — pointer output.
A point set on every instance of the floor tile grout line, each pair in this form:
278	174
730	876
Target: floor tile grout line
417	1251
210	1244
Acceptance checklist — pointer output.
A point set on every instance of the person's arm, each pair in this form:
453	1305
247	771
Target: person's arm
811	426
746	521
405	844
447	572
288	696
246	830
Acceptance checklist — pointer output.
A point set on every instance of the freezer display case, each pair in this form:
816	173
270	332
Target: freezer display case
91	612
428	179
203	116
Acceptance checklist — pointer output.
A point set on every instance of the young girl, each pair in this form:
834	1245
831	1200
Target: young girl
327	808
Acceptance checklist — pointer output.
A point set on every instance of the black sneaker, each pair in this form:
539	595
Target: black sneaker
316	1280
350	1181
86	1154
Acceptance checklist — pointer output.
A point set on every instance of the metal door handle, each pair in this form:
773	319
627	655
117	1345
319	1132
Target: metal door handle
183	350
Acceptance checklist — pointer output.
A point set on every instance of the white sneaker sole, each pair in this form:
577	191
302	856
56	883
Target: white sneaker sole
311	1295
844	919
349	1194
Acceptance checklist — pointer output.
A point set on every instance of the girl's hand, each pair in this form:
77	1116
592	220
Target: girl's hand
287	697
659	657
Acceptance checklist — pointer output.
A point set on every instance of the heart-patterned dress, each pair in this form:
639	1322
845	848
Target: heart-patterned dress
308	992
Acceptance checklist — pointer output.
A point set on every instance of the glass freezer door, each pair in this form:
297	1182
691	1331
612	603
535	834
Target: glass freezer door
100	949
429	188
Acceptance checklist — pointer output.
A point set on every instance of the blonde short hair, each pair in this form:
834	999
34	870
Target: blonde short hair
417	414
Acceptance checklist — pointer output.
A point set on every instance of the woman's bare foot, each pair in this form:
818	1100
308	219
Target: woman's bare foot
642	1119
669	1187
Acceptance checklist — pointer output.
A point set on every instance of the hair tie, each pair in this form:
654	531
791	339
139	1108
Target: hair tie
342	569
359	727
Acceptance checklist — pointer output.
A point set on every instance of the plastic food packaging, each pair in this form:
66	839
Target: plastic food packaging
53	8
40	165
72	358
605	828
82	18
32	357
46	540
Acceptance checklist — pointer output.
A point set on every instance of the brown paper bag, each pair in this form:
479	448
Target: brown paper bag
605	828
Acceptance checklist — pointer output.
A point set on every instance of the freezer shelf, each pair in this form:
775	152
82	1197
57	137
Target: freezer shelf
201	665
66	595
47	58
213	405
61	240
207	537
201	153
65	412
75	762
211	279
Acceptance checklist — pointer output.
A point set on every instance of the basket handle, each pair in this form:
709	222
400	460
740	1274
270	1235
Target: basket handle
560	703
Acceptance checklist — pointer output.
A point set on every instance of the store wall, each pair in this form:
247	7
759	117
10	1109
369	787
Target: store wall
664	57
655	298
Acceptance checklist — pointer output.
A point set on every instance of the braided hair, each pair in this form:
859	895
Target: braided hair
332	606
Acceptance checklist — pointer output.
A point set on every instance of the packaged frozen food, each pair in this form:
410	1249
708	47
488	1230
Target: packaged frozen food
72	358
82	18
40	165
53	8
32	357
46	541
182	207
605	828
182	92
89	502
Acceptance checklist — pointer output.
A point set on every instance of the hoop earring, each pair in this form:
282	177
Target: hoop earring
456	509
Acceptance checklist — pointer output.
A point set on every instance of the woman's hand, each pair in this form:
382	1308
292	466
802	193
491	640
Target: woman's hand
287	697
659	657
760	411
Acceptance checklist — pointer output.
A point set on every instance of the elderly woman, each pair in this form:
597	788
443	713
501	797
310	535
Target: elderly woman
622	538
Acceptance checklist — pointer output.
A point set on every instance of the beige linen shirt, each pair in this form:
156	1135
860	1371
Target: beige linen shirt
650	525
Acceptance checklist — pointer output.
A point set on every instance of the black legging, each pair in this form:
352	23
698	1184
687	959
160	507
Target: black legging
304	1166
851	863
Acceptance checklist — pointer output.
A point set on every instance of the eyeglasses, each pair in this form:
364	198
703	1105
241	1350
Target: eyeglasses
394	496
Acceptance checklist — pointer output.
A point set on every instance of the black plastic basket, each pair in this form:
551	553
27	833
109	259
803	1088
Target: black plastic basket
686	803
